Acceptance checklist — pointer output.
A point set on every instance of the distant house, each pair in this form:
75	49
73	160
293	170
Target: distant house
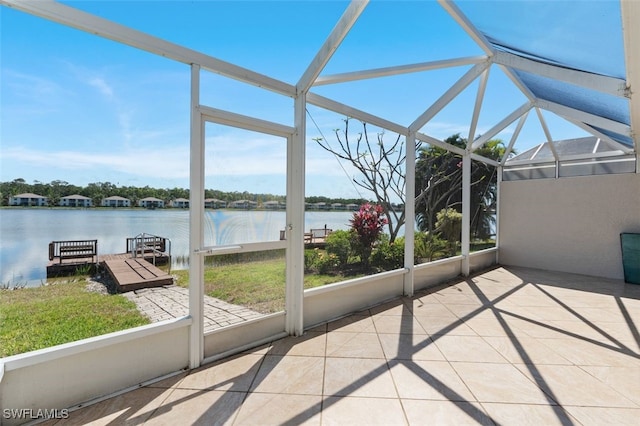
151	203
116	201
337	206
243	204
353	207
75	200
28	199
273	205
214	203
180	203
321	206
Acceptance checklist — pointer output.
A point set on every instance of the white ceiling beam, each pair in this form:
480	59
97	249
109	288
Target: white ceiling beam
485	160
514	137
610	85
631	37
547	133
574	114
448	96
348	111
245	122
482	87
339	32
437	142
466	25
92	24
501	125
401	69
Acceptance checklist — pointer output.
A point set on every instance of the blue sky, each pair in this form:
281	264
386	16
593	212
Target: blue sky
83	109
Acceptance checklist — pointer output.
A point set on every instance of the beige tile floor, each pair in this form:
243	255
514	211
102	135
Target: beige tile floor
511	346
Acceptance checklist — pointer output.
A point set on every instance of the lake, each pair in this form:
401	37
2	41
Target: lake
25	233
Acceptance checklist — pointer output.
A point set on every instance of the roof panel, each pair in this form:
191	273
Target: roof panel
573	34
576	97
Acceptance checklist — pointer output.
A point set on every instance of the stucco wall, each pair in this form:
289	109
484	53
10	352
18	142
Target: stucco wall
569	224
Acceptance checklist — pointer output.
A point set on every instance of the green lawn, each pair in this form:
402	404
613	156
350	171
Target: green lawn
258	285
36	318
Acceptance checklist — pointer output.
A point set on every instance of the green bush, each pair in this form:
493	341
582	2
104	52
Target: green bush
429	247
321	262
339	244
388	256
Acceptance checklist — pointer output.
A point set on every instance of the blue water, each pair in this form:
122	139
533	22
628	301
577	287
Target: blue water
25	233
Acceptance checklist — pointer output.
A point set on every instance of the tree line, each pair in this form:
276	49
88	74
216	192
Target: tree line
57	189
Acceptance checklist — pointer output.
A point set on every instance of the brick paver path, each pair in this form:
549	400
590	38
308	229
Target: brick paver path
172	301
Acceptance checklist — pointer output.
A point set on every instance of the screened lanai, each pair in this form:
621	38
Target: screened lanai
553	81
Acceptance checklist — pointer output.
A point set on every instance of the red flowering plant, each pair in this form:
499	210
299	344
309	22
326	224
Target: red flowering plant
367	224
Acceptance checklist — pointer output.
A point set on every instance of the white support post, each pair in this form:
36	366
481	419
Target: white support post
295	220
466	213
409	212
196	213
499	185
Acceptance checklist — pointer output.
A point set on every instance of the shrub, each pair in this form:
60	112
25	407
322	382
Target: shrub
367	224
388	256
429	247
339	244
449	224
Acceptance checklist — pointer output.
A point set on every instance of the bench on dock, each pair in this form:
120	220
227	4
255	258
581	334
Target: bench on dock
77	249
146	245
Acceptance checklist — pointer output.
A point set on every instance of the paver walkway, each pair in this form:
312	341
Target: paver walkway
172	301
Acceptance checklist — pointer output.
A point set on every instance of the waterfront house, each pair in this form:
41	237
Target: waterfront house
151	203
243	204
273	205
337	206
28	199
214	203
75	200
353	207
180	203
116	201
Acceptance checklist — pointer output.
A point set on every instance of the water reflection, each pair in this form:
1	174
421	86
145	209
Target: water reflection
25	233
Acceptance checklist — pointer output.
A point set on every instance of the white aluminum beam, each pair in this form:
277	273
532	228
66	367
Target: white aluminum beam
410	209
574	114
501	125
482	87
348	111
470	29
294	293
514	137
339	32
610	85
402	69
485	160
449	95
245	122
196	221
92	24
631	36
547	133
436	142
465	237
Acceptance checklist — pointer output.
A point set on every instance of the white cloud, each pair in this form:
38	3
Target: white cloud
102	86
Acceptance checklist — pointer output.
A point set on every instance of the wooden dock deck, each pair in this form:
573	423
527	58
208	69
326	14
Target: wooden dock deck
134	273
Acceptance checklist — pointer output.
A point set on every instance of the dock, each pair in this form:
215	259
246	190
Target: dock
133	270
134	273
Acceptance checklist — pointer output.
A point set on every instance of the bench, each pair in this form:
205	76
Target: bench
78	249
146	245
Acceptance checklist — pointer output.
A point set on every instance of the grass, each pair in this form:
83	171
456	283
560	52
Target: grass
258	285
36	318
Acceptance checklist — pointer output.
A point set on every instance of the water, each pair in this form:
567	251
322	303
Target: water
25	233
